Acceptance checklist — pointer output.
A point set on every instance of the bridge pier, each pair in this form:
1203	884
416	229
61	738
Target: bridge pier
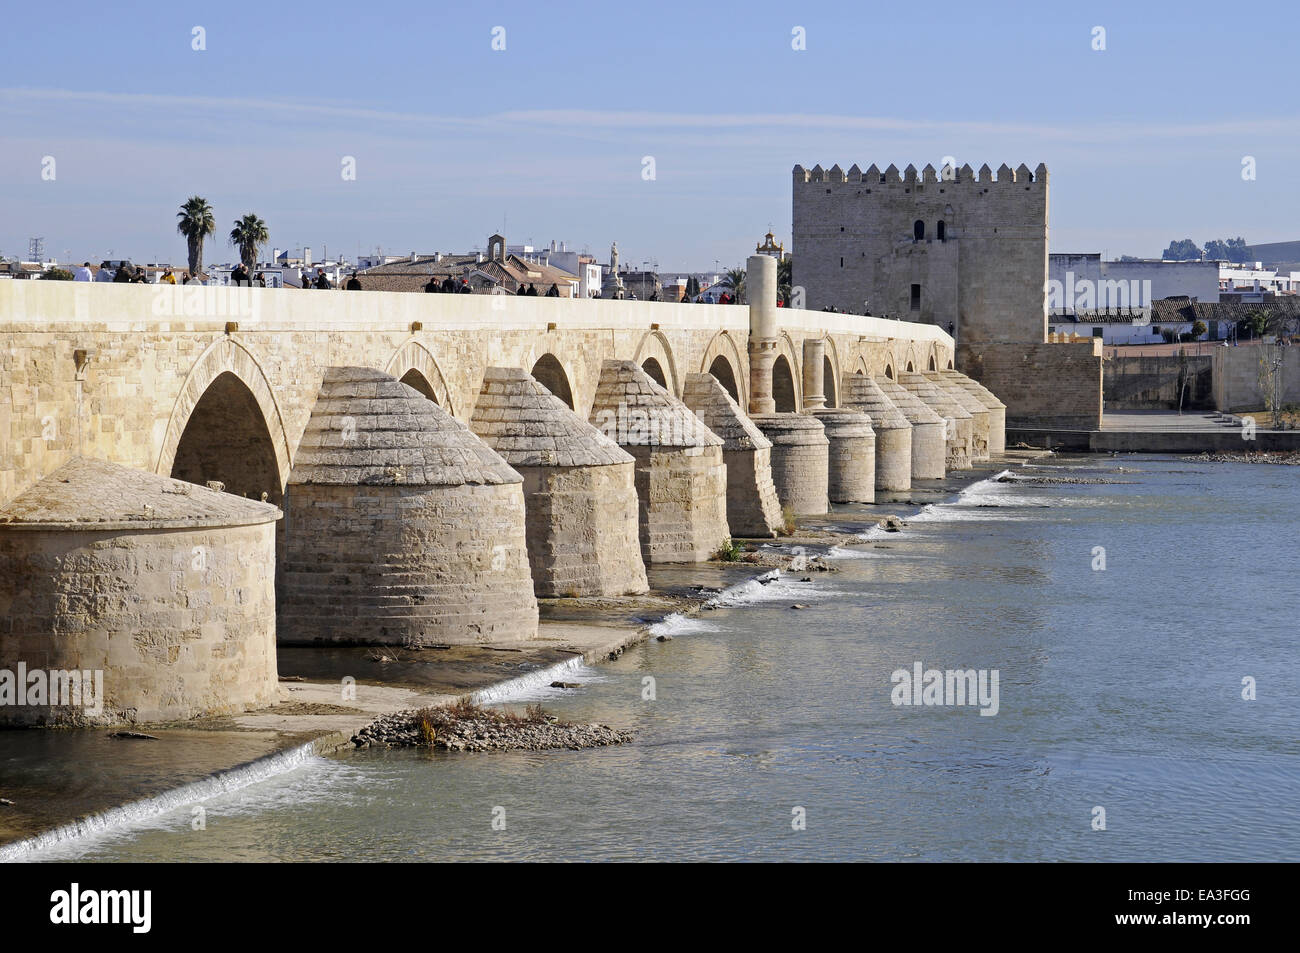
752	506
579	489
958	424
681	479
928	451
973	406
997	410
402	527
851	455
894	436
164	588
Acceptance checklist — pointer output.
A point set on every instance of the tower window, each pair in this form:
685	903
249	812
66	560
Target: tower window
918	230
940	231
916	297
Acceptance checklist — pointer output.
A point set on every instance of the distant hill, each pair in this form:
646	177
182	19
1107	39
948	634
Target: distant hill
1275	252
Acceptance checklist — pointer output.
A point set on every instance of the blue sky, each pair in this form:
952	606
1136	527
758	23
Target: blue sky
453	140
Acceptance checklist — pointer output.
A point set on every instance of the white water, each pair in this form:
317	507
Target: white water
536	685
138	813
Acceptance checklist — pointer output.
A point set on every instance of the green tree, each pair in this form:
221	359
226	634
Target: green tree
1234	249
692	287
1253	325
248	235
1184	250
57	274
1198	329
197	222
737	278
785	278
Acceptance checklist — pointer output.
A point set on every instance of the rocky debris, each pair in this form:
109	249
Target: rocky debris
464	726
1053	480
799	605
566	685
663	638
6	802
1283	457
891	524
133	734
795	562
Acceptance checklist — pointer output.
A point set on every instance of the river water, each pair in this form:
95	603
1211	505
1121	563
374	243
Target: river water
769	733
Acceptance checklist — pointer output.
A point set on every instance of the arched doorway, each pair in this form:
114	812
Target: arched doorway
722	372
931	362
656	372
949	363
783	385
889	372
918	230
910	368
414	378
829	383
550	374
226	439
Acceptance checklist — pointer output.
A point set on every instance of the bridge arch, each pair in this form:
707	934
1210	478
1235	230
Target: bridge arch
226	425
415	365
788	394
549	372
722	358
831	373
655	345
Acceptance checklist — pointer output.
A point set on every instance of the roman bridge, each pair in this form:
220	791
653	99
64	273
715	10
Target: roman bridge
219	384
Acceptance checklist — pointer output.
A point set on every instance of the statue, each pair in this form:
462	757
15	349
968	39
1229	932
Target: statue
613	258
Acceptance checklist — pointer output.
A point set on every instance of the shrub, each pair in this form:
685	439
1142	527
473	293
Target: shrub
790	523
729	552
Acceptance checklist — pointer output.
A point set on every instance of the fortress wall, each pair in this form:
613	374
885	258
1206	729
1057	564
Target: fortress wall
1043	385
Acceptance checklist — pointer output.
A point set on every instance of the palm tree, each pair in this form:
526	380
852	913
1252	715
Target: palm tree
196	223
737	278
785	278
248	235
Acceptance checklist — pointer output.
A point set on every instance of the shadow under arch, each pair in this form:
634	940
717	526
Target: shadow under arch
226	375
725	360
656	372
783	391
427	377
226	438
724	375
655	345
549	372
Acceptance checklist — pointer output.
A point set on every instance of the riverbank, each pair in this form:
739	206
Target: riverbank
66	784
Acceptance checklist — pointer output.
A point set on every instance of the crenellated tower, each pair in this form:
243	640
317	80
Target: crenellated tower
963	249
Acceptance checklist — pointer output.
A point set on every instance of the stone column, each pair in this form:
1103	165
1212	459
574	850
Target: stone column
814	374
760	287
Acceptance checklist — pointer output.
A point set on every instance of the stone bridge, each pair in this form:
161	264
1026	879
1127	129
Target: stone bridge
212	383
436	463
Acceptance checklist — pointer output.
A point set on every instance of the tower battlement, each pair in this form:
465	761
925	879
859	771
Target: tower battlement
891	177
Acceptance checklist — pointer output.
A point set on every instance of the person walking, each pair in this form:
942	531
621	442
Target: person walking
322	282
260	280
554	292
353	284
168	278
105	273
83	273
